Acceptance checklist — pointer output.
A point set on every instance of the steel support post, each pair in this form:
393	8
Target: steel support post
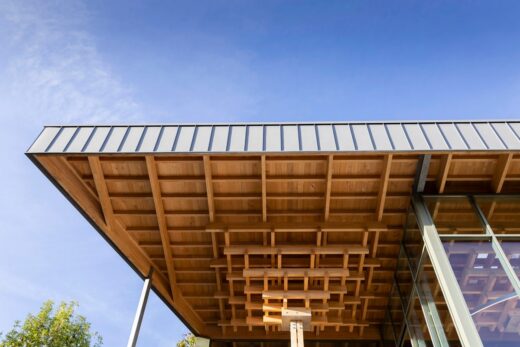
431	315
462	319
421	291
296	328
136	326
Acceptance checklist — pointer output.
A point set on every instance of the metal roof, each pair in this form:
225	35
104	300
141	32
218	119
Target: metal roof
281	137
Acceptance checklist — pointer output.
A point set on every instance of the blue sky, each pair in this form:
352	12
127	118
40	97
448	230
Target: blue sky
136	61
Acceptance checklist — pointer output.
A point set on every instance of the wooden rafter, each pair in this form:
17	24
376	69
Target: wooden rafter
504	161
264	188
444	169
117	233
209	188
214	240
328	187
165	238
385	175
322	236
91	190
161	219
297	227
101	187
497	182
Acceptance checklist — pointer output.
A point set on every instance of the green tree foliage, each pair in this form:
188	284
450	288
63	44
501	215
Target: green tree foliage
52	328
188	340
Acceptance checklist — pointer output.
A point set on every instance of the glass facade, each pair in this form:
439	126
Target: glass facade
457	280
417	312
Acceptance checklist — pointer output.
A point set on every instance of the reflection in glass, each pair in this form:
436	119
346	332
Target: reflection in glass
512	250
417	324
430	288
502	213
454	215
487	291
406	340
404	278
396	311
413	240
389	338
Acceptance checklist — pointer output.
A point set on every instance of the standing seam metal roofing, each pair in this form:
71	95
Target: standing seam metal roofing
281	138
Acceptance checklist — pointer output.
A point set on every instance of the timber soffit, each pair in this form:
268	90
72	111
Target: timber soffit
280	137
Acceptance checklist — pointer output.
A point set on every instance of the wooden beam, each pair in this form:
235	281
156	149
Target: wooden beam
330	163
101	187
444	169
294	250
316	321
372	333
256	196
504	161
209	188
295	294
255	178
253	213
277	307
77	174
385	175
176	293
74	187
117	234
326	263
298	227
161	219
295	272
264	188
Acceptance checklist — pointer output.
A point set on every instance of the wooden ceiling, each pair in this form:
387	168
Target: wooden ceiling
233	239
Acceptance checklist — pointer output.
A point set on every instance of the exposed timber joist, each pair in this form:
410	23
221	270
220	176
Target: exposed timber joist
381	198
501	170
444	169
176	293
161	220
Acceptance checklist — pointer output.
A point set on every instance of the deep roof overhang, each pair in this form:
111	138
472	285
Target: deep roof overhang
194	183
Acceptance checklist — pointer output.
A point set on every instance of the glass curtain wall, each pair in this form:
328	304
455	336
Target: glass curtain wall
481	239
417	312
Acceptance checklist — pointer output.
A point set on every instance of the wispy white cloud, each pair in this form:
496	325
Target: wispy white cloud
54	70
51	71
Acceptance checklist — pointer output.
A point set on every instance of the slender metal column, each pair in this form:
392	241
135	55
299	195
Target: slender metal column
132	340
421	173
296	328
462	319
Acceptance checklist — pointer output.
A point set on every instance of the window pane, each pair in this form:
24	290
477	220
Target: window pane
432	292
487	291
454	215
406	340
503	213
404	278
389	338
512	251
413	240
395	308
418	326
